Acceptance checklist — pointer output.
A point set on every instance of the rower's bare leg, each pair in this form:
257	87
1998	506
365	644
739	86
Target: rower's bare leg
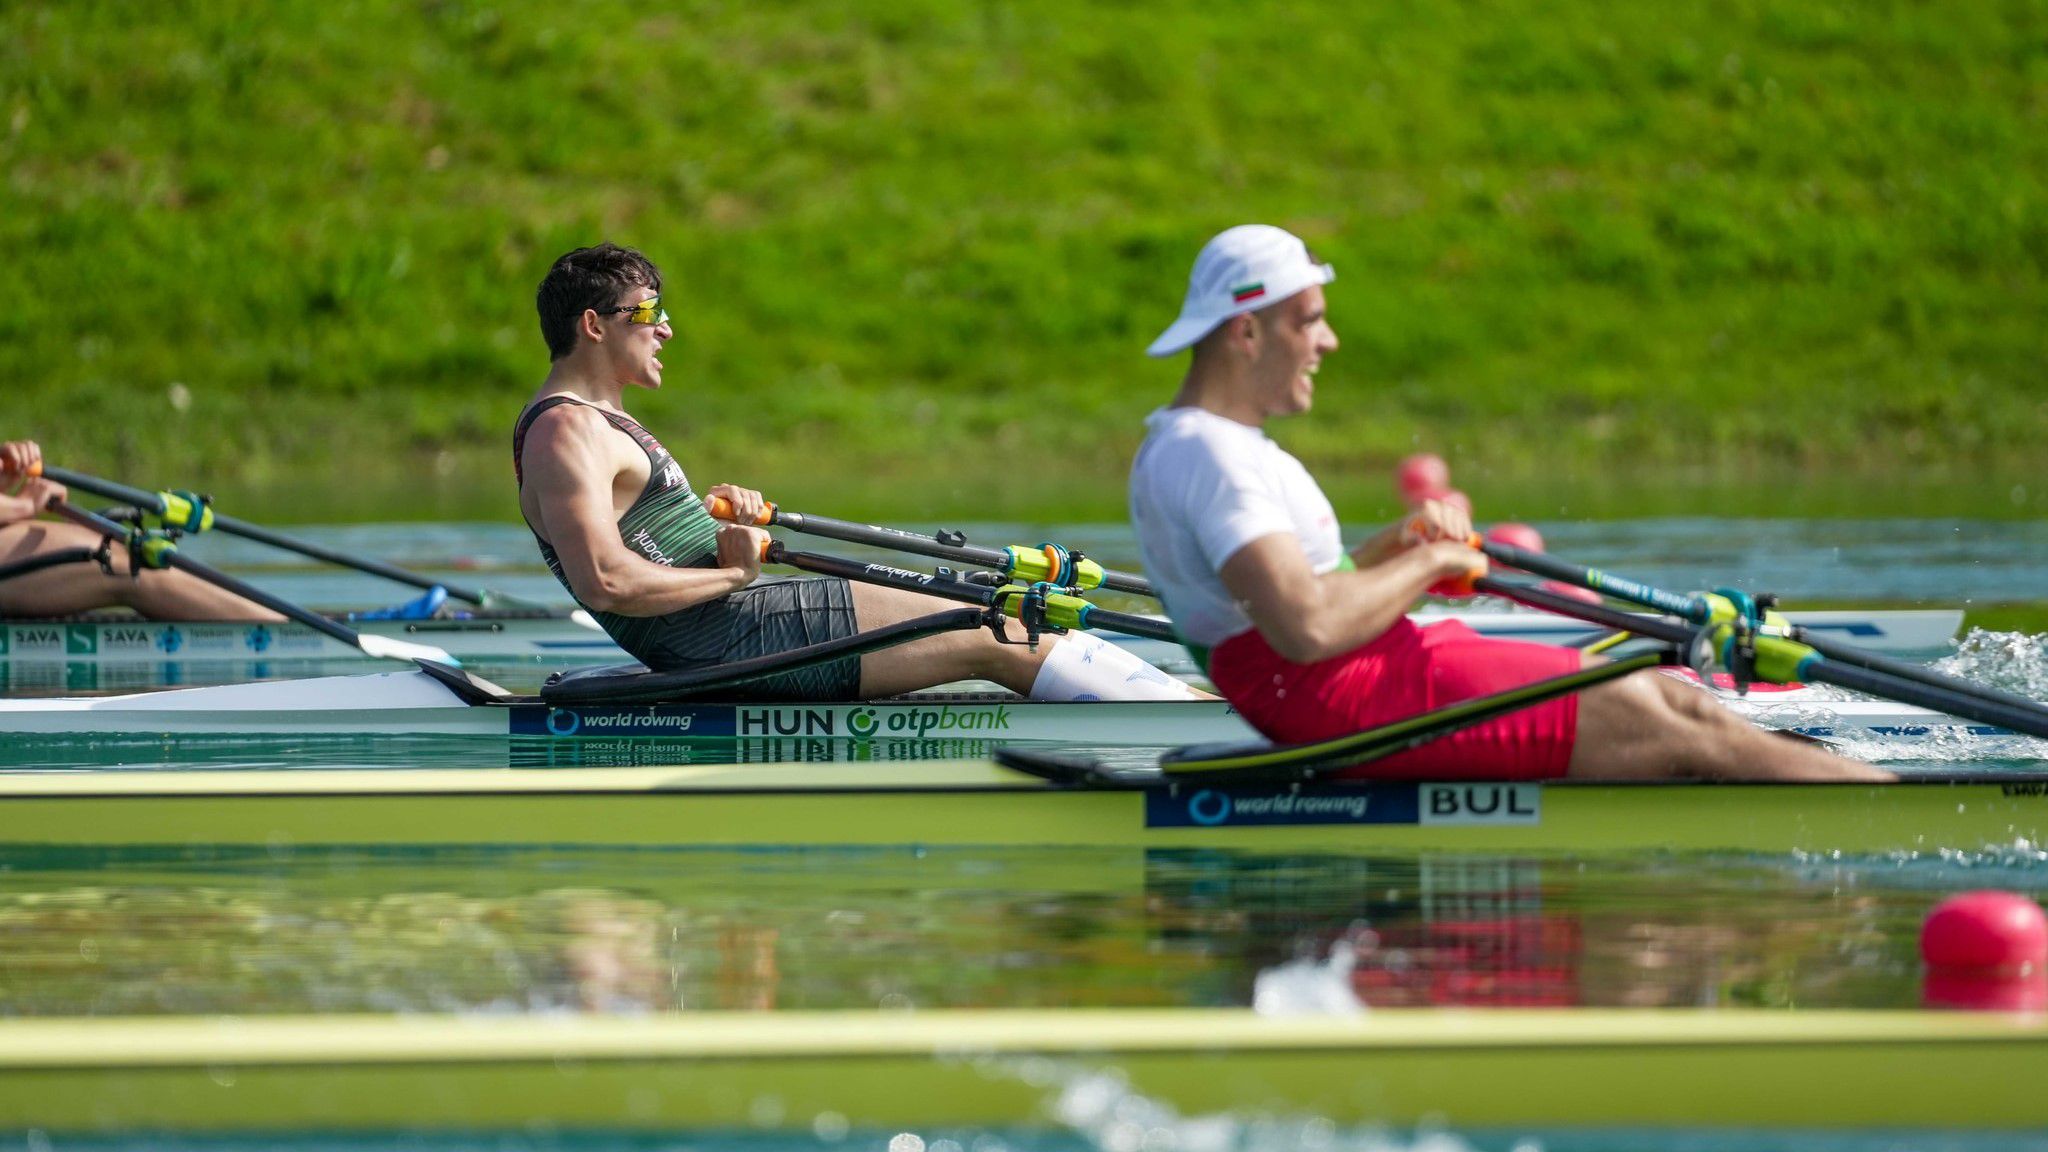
1650	726
949	656
159	594
937	659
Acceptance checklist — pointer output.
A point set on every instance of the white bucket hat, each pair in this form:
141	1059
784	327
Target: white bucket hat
1242	270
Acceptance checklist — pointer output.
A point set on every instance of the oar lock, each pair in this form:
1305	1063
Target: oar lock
1746	636
149	541
1040	606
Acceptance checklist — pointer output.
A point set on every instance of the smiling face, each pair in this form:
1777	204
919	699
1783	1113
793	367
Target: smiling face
1291	338
632	349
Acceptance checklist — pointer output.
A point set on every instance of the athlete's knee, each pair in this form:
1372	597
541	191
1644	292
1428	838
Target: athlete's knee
1648	722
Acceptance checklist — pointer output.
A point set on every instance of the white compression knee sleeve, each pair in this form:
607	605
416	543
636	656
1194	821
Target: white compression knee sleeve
1084	667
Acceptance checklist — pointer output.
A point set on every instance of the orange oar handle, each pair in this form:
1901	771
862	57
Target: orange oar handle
1461	586
1414	527
721	509
1457	587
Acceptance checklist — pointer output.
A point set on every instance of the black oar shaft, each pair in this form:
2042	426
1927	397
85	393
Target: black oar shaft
921	544
216	577
151	501
2017	714
908	580
2031	719
1620	587
1849	654
154	502
1697	610
1655	627
897	539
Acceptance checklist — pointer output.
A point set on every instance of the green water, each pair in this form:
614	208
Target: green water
96	932
672	931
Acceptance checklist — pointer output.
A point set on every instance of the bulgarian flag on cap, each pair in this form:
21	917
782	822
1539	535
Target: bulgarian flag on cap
1251	291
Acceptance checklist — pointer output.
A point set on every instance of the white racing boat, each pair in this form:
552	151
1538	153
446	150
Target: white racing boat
573	635
438	701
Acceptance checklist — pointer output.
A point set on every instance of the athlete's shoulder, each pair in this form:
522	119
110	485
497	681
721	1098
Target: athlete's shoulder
559	415
1182	438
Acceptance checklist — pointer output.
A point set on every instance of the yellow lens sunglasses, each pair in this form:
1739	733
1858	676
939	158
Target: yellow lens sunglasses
648	311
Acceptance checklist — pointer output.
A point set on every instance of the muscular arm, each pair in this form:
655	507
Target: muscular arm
14	508
570	464
1306	617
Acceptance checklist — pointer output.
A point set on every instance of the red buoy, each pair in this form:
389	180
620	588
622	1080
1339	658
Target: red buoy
1985	930
1971	990
1516	536
1571	591
1986	951
1423	476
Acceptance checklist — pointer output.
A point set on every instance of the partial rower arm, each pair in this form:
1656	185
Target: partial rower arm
570	469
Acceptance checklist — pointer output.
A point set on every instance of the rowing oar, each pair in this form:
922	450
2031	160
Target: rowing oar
150	551
1783	660
186	512
1721	608
1050	563
1057	609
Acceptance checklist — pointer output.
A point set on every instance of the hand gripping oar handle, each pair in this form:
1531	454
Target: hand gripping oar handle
180	511
1062	611
162	553
1782	658
1047	562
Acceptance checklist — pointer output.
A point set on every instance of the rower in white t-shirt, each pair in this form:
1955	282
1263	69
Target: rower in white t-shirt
1311	642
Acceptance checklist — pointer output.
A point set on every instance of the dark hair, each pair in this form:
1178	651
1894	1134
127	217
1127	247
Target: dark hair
587	278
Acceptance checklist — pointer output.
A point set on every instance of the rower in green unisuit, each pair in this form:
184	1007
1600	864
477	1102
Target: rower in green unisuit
623	530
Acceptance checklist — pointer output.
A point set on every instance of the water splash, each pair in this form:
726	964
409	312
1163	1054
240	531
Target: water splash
1102	1108
1099	1107
1307	986
2013	661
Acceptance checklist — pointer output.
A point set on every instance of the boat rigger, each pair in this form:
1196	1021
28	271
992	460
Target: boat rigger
976	803
928	1071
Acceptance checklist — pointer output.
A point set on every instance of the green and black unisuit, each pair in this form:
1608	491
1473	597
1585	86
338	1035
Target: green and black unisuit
667	524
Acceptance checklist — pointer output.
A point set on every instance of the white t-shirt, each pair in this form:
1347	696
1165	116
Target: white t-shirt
1204	486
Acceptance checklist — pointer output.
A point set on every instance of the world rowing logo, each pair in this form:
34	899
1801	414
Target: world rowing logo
170	640
862	722
618	722
258	639
1209	807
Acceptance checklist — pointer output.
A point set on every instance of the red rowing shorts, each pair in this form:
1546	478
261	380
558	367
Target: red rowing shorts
1405	672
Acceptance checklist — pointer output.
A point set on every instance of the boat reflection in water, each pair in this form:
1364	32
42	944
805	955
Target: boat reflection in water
658	930
402	750
488	990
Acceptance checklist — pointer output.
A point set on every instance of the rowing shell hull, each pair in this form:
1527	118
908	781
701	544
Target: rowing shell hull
575	637
977	804
413	703
1068	1070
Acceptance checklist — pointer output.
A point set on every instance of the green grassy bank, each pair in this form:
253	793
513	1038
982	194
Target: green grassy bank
1739	238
